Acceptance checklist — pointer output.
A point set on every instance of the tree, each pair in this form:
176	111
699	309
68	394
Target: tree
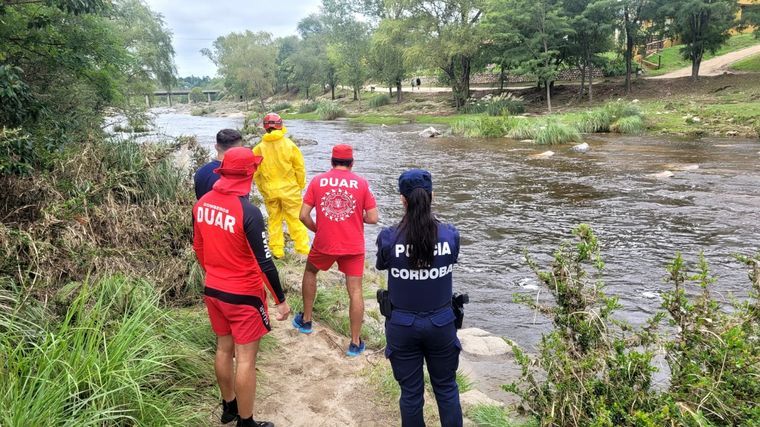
386	56
348	42
315	36
635	13
247	63
540	31
445	35
701	25
286	47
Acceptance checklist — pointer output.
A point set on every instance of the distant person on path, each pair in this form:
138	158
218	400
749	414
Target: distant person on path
280	179
419	254
344	204
205	177
230	242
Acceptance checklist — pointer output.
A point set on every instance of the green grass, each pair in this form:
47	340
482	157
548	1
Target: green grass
494	416
311	116
115	358
672	59
330	110
751	64
378	101
557	133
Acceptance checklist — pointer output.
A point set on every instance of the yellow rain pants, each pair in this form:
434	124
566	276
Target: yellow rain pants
280	178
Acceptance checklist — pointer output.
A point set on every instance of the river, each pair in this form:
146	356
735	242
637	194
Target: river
505	202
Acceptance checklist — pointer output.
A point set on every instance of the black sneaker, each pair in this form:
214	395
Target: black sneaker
249	422
229	411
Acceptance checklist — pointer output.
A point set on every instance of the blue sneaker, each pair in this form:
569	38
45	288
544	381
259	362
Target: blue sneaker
355	350
303	327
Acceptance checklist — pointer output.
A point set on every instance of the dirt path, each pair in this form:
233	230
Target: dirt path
308	381
715	66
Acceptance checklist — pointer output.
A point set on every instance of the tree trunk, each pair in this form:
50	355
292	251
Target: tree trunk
695	63
582	91
398	91
356	94
390	91
501	79
628	52
548	96
332	92
307	92
590	83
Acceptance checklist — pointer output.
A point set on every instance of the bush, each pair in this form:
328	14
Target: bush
308	107
557	133
330	110
379	100
605	119
17	153
596	370
196	95
281	106
202	111
502	105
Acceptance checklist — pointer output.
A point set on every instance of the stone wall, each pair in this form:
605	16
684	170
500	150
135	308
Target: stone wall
565	75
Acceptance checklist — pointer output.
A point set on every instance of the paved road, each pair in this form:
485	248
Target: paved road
714	66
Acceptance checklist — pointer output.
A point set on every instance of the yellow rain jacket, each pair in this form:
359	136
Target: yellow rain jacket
280	178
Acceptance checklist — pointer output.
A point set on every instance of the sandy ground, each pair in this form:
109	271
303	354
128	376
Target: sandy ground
308	381
714	66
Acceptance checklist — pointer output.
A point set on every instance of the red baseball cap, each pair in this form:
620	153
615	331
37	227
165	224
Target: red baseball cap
240	162
343	152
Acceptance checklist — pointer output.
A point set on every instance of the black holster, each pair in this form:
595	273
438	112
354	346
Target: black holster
457	304
384	300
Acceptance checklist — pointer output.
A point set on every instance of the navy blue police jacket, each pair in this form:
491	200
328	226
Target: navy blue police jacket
418	289
205	178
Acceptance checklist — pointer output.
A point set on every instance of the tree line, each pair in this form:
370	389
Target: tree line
350	42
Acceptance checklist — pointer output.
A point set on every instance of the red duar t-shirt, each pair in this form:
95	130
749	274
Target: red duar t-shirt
340	198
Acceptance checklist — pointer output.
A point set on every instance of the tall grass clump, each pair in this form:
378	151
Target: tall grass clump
525	129
484	127
617	116
281	106
379	100
330	110
501	105
557	133
308	107
109	361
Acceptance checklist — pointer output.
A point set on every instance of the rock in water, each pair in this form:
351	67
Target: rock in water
682	166
302	142
544	155
479	342
429	132
581	148
663	174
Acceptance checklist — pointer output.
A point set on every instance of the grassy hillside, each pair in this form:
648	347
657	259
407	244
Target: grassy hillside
672	59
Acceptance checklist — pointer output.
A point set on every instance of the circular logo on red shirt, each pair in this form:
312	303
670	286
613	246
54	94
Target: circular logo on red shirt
338	205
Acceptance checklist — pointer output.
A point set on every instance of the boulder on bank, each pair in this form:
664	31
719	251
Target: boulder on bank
475	398
482	343
581	148
430	132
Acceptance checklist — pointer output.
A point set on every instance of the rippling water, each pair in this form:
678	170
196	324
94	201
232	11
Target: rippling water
504	202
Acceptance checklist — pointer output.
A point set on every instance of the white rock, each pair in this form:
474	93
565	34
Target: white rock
663	174
479	342
526	141
544	155
650	295
581	148
475	398
696	119
429	132
682	166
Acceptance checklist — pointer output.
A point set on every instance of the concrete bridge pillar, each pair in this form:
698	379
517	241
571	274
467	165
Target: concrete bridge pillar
208	95
147	101
169	98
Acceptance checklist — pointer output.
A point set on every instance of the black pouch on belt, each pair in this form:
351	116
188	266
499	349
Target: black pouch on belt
384	300
457	303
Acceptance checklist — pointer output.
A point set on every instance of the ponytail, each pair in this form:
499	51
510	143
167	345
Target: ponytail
419	228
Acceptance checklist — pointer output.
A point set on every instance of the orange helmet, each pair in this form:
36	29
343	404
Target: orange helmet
272	121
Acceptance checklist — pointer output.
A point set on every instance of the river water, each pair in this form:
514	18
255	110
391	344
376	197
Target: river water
505	202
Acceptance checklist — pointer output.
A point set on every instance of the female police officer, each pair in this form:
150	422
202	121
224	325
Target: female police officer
419	254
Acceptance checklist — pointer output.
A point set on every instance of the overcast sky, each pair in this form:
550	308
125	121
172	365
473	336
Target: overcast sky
197	23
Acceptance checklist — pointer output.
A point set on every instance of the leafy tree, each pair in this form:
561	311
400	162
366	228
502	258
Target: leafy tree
751	16
317	68
446	35
540	31
635	13
247	63
348	42
701	25
286	47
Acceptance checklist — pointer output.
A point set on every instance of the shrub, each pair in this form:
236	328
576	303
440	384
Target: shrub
17	153
196	95
379	100
202	111
595	121
281	106
557	133
308	107
330	110
632	125
502	105
485	127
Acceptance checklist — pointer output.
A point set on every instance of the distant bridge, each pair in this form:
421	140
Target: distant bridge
179	93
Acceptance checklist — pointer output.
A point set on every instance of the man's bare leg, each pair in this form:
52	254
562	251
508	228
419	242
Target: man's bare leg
309	290
224	367
245	377
356	306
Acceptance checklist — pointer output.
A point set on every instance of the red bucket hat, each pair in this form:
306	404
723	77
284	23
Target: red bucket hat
343	152
239	162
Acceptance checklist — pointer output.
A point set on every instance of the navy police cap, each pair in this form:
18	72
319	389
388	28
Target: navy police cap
413	179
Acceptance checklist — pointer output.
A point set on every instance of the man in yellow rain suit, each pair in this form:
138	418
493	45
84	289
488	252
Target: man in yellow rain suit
280	179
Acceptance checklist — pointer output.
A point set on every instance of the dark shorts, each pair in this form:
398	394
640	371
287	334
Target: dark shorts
243	316
350	265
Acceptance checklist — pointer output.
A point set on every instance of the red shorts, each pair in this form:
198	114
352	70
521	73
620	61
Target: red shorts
243	316
350	265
